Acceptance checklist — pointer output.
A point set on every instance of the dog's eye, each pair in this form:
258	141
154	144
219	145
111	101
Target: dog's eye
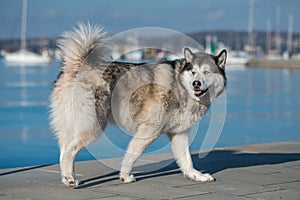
206	72
193	73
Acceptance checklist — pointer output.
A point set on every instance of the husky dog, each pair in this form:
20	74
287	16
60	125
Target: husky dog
146	99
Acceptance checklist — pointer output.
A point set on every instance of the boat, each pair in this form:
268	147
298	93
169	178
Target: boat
237	58
24	56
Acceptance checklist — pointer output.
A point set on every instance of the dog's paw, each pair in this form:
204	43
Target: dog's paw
70	181
198	176
127	178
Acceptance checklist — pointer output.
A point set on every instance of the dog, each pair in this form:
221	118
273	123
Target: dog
145	99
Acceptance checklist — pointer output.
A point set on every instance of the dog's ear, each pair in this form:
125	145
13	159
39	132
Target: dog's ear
188	54
221	59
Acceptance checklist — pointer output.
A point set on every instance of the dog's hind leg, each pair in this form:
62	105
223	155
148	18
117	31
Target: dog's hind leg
83	125
180	147
68	153
136	147
81	133
69	148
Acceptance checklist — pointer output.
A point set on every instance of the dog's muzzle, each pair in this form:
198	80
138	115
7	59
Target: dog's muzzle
197	89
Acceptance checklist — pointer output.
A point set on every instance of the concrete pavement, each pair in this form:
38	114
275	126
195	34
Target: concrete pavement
263	171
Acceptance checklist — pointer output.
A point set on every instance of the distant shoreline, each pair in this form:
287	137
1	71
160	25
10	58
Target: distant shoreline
275	63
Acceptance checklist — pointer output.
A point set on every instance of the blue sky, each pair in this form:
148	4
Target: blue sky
52	17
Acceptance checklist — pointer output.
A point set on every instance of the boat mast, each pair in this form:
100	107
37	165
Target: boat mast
250	26
268	37
278	37
24	25
290	34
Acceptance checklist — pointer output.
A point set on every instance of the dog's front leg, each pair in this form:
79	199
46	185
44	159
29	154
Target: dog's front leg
180	147
137	145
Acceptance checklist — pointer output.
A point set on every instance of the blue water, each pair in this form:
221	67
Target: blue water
263	105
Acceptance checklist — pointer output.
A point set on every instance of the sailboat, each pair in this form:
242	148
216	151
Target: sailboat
24	56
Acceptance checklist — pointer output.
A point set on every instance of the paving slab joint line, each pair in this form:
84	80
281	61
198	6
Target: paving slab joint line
263	192
184	185
194	195
279	183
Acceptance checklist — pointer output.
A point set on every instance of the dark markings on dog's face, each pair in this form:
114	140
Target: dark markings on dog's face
187	67
200	72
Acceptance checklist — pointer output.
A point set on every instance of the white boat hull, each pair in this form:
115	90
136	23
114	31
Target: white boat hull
24	57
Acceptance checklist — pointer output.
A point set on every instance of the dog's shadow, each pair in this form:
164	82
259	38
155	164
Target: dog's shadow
216	161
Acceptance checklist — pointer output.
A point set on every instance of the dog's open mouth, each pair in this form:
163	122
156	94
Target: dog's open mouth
198	92
197	88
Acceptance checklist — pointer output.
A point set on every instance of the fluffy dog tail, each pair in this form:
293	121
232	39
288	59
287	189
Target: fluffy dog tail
85	40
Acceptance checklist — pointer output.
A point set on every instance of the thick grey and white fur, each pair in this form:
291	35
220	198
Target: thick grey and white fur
145	99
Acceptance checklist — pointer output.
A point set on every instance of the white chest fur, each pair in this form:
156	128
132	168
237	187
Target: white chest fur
184	118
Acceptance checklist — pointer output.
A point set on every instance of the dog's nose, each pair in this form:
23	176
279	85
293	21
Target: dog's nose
196	83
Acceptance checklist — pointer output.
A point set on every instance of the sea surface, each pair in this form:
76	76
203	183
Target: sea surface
262	105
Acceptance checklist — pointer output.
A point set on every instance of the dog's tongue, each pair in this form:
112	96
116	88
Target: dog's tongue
197	92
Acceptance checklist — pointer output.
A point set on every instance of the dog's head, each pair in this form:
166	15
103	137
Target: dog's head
203	75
